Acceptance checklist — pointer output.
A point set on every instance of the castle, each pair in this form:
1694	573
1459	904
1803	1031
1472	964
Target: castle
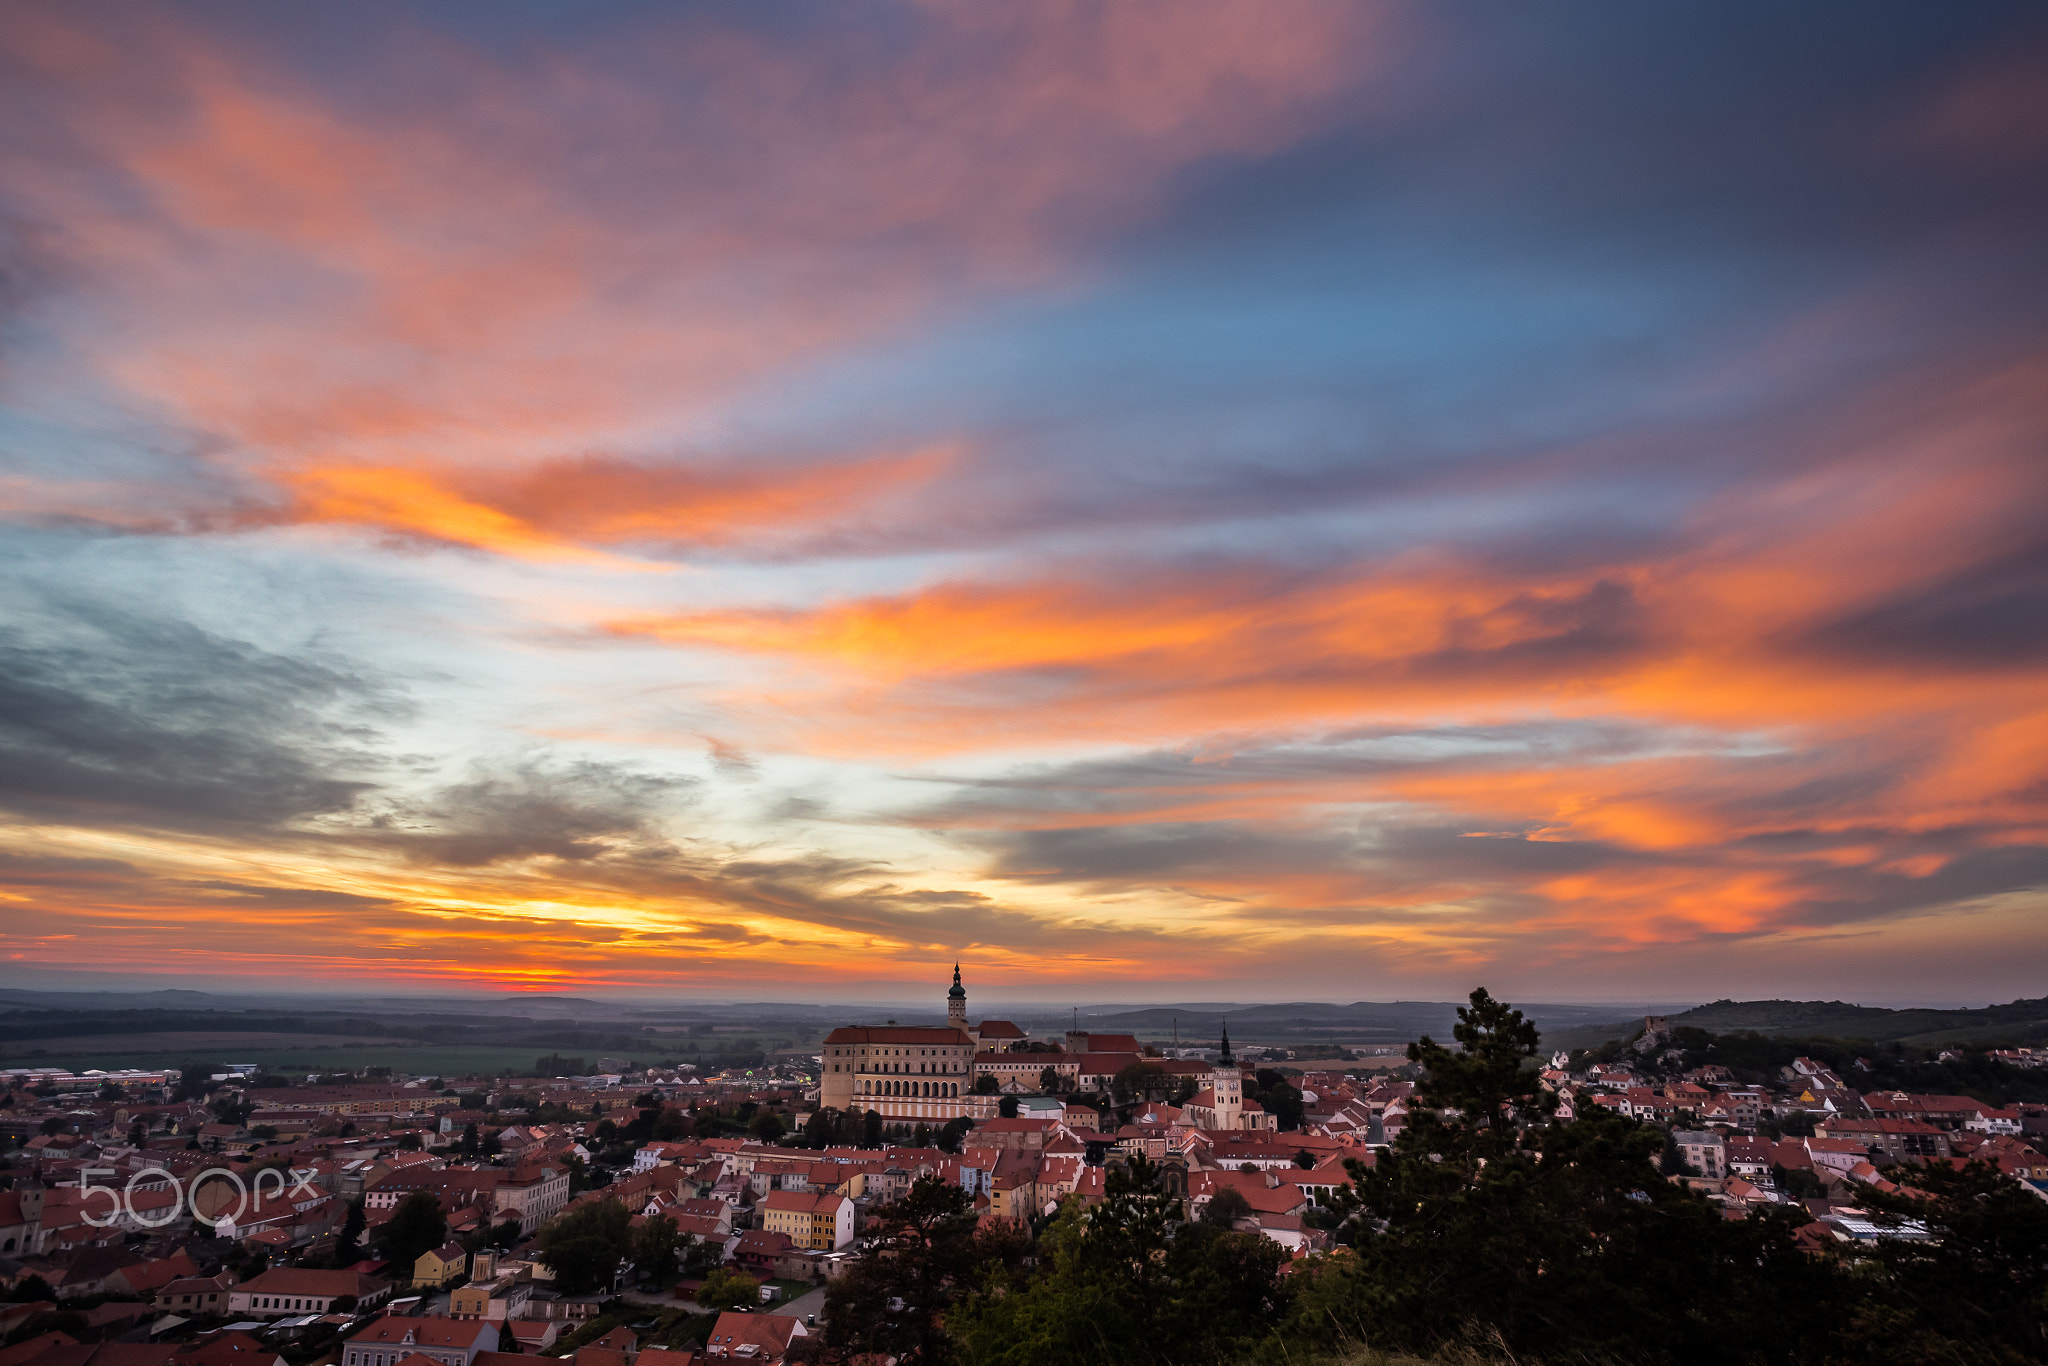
906	1072
926	1073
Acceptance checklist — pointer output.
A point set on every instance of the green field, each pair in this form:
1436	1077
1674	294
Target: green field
299	1054
421	1059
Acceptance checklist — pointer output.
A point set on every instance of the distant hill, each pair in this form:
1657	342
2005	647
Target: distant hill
1838	1018
2024	1021
1359	1022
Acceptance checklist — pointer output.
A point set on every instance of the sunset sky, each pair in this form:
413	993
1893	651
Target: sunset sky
1205	499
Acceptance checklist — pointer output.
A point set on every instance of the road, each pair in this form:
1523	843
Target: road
811	1302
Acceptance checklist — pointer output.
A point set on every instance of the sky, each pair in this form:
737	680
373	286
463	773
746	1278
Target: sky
1222	499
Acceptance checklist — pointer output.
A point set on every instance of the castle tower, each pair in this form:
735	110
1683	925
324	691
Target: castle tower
956	1002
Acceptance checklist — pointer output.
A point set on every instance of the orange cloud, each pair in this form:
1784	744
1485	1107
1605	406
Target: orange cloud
1836	751
381	305
1761	620
555	510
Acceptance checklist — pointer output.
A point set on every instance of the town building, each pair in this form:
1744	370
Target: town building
1705	1152
448	1342
757	1339
810	1219
286	1290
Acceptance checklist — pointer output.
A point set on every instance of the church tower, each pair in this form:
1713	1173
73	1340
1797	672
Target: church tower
956	1002
1228	1083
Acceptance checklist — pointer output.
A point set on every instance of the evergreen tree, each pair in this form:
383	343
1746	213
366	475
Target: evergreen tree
1486	1220
1977	1289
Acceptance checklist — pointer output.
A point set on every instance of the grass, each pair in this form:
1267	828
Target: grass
791	1290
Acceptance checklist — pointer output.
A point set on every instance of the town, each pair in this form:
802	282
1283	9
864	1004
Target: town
172	1219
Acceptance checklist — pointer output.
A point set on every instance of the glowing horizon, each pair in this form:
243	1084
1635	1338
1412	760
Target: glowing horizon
1291	500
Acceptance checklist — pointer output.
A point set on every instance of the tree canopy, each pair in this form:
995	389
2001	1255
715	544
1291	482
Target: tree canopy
925	1251
726	1288
1126	1282
415	1227
584	1245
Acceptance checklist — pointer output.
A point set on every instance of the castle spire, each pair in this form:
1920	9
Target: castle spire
956	1002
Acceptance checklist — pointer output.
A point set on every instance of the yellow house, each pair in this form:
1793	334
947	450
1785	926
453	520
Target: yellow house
812	1219
445	1263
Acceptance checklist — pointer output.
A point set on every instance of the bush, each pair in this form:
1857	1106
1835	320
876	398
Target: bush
729	1289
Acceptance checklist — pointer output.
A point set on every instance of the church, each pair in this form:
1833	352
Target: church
1222	1105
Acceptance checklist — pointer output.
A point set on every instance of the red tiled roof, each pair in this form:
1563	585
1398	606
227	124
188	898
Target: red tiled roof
304	1281
34	1347
804	1202
919	1034
425	1332
1113	1043
1877	1126
771	1333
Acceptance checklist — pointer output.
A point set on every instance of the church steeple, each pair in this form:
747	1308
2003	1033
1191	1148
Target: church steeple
1223	1059
956	1002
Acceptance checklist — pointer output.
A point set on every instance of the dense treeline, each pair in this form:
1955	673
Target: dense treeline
2020	1021
29	1026
19	1025
1489	1226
